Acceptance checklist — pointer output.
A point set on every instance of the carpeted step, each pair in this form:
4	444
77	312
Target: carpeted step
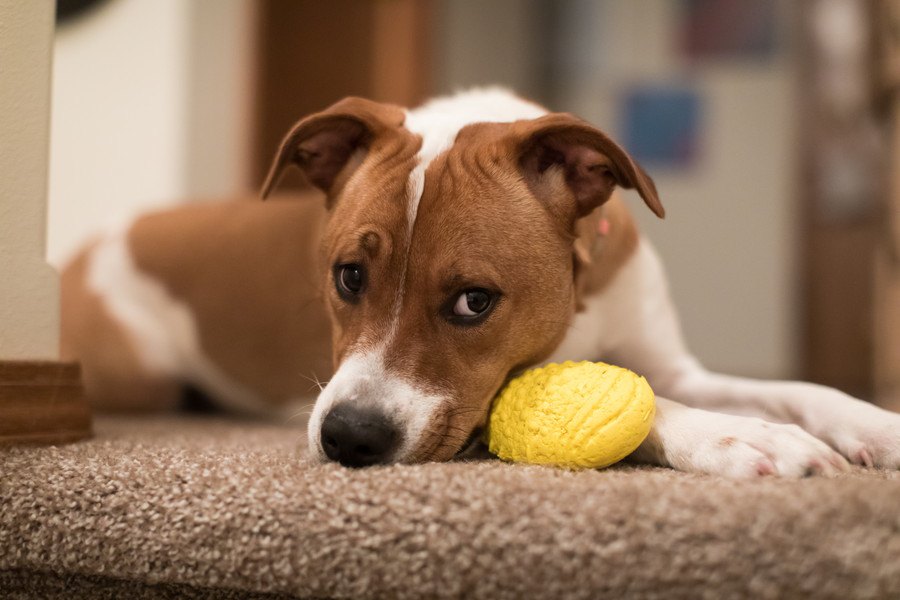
214	504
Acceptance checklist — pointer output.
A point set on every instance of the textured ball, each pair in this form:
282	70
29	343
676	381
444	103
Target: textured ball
573	415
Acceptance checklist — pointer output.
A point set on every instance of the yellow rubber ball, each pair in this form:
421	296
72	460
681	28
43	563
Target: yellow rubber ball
573	415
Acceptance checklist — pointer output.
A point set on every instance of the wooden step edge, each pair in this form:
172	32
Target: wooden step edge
42	402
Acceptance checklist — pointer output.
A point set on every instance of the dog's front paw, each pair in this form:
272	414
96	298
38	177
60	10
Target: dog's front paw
744	447
865	434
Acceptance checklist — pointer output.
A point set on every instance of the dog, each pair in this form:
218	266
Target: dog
449	247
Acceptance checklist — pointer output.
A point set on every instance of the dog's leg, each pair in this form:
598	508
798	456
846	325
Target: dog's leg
865	434
646	337
690	439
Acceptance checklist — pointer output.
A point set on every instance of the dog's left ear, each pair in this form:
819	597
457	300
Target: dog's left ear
588	160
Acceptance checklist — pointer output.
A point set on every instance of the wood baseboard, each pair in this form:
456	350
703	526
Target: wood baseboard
42	403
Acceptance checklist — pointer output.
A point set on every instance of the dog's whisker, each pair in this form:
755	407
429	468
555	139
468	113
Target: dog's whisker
457	428
317	383
303	412
320	383
455	412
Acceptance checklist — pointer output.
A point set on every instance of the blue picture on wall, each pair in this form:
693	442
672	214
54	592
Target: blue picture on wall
662	126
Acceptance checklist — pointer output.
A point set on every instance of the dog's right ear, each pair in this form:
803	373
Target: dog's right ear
323	145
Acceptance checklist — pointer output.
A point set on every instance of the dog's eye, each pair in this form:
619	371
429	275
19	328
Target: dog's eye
472	304
350	280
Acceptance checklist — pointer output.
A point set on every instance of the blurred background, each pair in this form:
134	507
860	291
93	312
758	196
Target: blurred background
768	125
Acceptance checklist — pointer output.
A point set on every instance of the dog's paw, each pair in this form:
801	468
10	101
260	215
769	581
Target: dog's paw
746	447
865	434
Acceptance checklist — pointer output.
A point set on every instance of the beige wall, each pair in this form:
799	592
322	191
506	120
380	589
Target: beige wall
729	241
29	304
151	101
482	42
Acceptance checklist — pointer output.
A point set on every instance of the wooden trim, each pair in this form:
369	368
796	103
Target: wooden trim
42	403
886	324
401	51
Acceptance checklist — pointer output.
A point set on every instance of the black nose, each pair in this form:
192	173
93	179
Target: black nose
357	437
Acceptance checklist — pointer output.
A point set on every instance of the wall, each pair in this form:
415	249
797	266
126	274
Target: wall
500	41
150	105
29	303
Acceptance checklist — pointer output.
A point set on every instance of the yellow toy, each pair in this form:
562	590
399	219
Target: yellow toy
573	415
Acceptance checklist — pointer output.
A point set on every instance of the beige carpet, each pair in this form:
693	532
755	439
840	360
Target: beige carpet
205	508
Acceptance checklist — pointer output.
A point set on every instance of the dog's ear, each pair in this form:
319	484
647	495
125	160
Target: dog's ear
324	145
590	163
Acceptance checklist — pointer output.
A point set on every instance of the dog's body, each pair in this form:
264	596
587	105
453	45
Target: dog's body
224	296
462	241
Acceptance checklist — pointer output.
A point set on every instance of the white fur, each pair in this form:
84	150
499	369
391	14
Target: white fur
613	320
162	329
863	433
363	379
689	439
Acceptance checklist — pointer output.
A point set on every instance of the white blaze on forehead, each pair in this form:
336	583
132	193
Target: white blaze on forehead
439	121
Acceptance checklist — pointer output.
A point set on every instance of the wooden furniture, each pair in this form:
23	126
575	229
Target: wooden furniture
42	403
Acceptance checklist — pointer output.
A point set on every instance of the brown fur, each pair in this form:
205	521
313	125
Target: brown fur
598	258
250	273
479	225
368	226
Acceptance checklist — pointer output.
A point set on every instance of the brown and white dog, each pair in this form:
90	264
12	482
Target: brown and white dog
457	243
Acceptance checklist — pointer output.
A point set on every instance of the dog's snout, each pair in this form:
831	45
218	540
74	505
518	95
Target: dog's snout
358	437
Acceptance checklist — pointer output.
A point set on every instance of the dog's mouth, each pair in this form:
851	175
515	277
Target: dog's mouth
441	448
470	449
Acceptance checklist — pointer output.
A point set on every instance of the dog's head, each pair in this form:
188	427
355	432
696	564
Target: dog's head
449	253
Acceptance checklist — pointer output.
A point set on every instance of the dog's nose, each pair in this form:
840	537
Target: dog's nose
357	437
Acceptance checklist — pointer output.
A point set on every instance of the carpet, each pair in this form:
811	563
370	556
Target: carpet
207	507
